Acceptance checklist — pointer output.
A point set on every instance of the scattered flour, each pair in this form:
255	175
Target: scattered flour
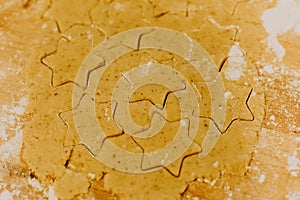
234	70
35	184
228	95
280	19
92	176
50	194
216	164
293	164
236	51
236	63
269	69
262	178
10	120
6	195
11	135
293	196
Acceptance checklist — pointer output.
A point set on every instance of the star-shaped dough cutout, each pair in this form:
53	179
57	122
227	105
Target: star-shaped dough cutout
74	15
72	48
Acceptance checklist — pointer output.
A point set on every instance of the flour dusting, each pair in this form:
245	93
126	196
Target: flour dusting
10	124
236	63
280	19
293	164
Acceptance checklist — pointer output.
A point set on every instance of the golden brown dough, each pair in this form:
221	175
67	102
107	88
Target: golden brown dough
250	157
